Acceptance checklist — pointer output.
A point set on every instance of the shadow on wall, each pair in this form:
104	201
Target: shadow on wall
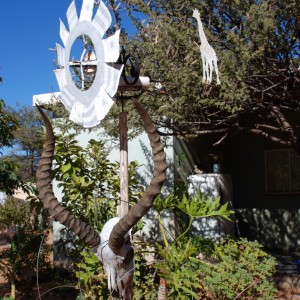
276	229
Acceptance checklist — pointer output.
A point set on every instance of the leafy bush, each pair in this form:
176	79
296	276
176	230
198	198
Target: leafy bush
234	270
90	182
92	279
18	262
90	186
199	268
242	271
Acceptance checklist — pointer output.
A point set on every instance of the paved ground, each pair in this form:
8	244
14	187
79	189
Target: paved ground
287	276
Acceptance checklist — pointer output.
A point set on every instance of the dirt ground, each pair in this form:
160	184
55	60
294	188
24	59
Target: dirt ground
47	291
55	288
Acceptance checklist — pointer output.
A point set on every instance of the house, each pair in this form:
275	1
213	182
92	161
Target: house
265	179
263	176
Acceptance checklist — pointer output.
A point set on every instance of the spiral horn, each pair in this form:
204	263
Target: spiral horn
117	236
44	184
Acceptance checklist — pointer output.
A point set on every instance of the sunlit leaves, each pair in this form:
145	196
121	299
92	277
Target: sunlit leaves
200	206
89	180
178	270
257	44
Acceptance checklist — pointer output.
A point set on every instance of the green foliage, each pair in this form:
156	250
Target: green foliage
22	132
162	203
89	181
199	268
28	141
8	124
176	264
9	180
200	206
207	270
196	207
13	212
18	262
145	281
258	50
90	186
92	279
242	270
178	269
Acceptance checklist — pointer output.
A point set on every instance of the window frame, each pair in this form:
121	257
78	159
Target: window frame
288	153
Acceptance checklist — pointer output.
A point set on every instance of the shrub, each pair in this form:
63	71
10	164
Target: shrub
242	271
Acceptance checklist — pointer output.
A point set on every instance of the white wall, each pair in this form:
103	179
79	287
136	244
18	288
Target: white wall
138	149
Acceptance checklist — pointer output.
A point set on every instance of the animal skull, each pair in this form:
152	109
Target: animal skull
119	267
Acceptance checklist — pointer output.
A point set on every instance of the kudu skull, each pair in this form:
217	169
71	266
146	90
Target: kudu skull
112	246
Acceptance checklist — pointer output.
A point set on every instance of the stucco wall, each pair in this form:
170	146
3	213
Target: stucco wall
138	149
273	220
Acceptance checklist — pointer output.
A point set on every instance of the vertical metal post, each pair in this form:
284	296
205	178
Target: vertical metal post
122	209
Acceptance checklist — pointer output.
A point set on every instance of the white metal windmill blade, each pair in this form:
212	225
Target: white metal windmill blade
89	106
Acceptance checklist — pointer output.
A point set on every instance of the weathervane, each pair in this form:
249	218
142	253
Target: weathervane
88	103
89	99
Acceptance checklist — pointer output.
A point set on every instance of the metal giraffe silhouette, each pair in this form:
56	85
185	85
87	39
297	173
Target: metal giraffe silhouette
208	54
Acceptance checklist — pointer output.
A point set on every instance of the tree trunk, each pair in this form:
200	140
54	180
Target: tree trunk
122	209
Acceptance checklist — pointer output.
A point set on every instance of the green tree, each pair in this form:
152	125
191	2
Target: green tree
8	169
9	180
28	141
22	135
90	183
257	44
8	124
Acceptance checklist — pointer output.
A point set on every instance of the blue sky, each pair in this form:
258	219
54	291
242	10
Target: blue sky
27	30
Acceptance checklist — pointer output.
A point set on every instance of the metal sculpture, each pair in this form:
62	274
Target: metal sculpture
88	106
208	54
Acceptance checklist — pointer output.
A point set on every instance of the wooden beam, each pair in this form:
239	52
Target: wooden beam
123	208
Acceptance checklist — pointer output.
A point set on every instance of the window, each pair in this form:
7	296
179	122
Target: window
282	169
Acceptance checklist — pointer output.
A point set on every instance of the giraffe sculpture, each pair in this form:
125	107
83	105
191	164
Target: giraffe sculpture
208	54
